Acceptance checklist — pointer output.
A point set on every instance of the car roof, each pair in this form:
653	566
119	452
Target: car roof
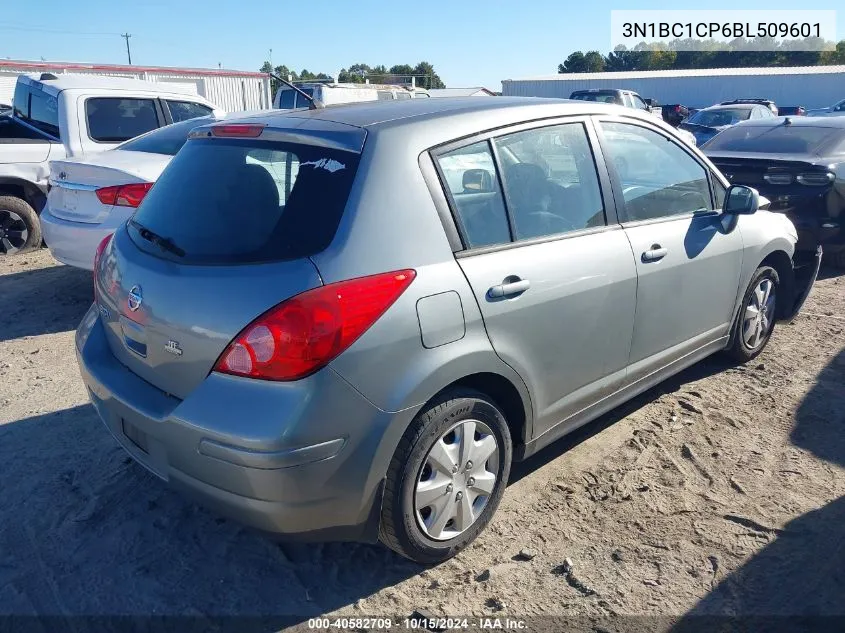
374	114
89	82
733	106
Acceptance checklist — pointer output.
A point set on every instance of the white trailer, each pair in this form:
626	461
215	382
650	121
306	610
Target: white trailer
232	90
808	86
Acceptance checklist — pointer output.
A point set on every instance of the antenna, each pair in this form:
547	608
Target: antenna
314	104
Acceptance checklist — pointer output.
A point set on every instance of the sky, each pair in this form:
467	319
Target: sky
469	42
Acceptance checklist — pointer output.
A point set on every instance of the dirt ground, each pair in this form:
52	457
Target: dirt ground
720	492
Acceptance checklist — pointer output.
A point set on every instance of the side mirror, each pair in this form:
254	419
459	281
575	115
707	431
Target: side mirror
741	200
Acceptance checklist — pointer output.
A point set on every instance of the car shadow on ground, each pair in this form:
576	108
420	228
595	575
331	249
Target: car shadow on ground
797	582
43	301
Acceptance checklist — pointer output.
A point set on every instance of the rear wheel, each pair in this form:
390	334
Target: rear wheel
756	319
446	478
20	229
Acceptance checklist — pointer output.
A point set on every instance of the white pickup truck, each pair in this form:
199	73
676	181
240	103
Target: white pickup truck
55	117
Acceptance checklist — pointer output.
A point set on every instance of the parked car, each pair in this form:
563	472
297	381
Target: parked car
837	109
71	116
89	197
675	113
627	99
707	123
330	93
791	111
362	350
799	165
765	102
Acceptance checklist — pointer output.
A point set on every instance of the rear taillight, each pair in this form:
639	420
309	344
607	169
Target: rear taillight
124	195
304	333
778	178
98	254
677	108
816	179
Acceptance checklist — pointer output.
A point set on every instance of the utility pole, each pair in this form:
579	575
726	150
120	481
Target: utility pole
126	36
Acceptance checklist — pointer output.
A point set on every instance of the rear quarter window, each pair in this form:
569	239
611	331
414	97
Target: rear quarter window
232	201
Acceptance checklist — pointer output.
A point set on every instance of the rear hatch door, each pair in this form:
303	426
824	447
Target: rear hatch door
226	234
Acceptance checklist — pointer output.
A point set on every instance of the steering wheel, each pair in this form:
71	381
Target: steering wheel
696	198
554	222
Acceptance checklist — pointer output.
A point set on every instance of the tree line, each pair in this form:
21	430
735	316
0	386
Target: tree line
678	54
423	73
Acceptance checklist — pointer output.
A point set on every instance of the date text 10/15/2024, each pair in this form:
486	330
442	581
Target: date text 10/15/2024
417	624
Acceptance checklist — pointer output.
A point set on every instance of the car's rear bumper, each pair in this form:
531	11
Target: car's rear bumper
297	460
75	243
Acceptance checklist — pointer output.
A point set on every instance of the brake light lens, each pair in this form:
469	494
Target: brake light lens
98	255
304	333
242	130
778	178
677	108
816	179
124	195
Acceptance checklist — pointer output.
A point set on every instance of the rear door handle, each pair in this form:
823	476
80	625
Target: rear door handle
655	253
509	288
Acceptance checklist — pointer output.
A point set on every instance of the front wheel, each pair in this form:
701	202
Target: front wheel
446	478
756	319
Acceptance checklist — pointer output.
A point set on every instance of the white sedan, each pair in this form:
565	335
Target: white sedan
90	197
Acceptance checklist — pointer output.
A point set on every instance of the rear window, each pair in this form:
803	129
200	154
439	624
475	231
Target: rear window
114	120
265	202
780	138
601	97
167	140
718	118
37	108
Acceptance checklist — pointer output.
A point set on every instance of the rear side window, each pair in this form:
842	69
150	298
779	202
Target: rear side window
167	140
265	202
473	185
286	99
184	110
114	120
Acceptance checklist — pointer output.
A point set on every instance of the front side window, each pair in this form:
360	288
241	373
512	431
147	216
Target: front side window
114	119
659	179
473	184
639	103
184	110
550	180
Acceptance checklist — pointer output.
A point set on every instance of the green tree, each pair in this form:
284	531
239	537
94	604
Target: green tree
574	64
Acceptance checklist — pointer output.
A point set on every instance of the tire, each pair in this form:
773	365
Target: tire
404	527
834	257
20	229
748	343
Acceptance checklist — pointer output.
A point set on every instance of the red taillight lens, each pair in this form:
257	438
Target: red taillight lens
124	195
238	130
677	108
303	334
98	254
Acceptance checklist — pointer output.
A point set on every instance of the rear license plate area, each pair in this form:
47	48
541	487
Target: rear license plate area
136	436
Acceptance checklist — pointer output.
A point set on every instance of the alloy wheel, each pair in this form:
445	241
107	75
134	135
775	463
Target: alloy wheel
13	232
759	314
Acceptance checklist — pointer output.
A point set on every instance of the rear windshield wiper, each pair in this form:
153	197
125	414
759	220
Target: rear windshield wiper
164	243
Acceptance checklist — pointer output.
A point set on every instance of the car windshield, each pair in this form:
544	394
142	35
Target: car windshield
779	138
167	140
602	97
718	118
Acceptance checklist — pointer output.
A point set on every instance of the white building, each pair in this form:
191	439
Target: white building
231	90
808	86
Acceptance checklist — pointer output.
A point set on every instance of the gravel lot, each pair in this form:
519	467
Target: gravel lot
720	492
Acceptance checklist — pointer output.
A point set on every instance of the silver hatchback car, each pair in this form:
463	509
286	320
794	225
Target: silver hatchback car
346	323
